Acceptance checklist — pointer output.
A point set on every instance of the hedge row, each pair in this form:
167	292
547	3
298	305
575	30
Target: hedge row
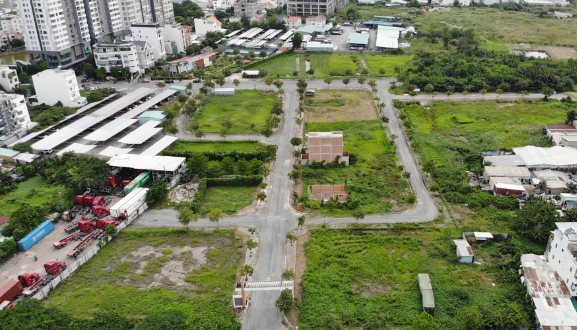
199	196
267	153
237	181
7	249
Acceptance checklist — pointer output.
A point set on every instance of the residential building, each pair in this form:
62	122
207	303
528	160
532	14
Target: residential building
561	253
150	33
191	63
204	25
174	39
61	32
294	22
314	7
549	293
316	21
329	192
57	85
8	78
146	11
188	35
248	8
162	11
14	117
325	147
119	55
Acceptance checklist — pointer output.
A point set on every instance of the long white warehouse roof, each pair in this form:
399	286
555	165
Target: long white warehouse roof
160	145
554	156
55	139
111	129
149	104
143	133
77	148
388	37
149	163
114	151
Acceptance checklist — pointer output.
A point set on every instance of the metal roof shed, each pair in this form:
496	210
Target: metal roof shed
149	104
109	130
8	153
142	134
159	146
77	148
148	163
358	39
224	91
25	158
114	151
482	236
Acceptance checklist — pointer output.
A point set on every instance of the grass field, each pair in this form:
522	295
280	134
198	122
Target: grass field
224	146
374	179
149	271
336	64
247	111
330	105
36	192
440	132
389	63
358	279
228	199
282	66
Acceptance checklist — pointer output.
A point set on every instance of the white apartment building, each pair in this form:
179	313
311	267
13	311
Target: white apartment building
134	55
14	117
204	25
146	11
560	253
8	78
61	31
152	34
174	39
249	8
56	85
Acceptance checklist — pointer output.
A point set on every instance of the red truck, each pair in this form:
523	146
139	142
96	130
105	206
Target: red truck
10	290
28	279
63	242
53	269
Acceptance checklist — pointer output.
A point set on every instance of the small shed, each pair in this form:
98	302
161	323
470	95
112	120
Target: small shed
180	90
358	40
151	115
509	189
8	155
427	293
464	251
25	158
568	201
251	74
224	91
482	236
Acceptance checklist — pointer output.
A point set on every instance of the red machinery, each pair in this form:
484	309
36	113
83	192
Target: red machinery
99	201
63	242
71	227
28	279
53	269
86	226
84	243
103	223
100	211
111	181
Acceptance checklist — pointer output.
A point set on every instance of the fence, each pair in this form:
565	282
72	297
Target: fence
85	256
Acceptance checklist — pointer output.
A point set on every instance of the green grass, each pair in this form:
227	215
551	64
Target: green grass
374	179
224	146
362	279
247	111
282	66
36	192
440	132
336	64
109	281
389	63
228	199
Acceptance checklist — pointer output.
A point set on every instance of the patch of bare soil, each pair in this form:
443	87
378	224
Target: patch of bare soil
555	52
340	105
183	192
301	263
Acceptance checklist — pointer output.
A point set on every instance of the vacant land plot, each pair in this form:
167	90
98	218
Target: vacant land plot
227	199
143	272
282	66
244	113
363	279
36	192
225	146
379	63
373	178
340	105
327	65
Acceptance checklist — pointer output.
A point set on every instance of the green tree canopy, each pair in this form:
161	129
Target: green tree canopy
536	220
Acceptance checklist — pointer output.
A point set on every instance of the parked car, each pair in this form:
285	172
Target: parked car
169	81
84	80
310	92
197	81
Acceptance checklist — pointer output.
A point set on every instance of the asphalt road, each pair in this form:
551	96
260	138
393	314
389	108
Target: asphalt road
277	217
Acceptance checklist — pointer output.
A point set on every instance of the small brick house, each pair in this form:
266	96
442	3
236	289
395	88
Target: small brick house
328	192
191	63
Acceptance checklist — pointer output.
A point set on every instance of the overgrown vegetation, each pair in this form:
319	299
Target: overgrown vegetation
123	279
46	115
36	192
77	172
358	278
97	95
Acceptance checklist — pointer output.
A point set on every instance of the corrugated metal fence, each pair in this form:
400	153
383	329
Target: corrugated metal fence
84	257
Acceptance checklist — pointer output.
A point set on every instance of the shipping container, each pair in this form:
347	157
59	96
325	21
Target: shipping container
141	180
36	235
134	200
10	290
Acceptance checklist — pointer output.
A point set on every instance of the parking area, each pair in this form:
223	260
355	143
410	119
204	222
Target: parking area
341	40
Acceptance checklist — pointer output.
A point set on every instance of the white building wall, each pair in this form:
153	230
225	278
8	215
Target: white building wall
174	39
123	55
51	20
14	114
204	25
8	78
55	85
152	34
562	260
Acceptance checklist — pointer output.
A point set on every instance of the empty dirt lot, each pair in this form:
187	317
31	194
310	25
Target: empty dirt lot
340	105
